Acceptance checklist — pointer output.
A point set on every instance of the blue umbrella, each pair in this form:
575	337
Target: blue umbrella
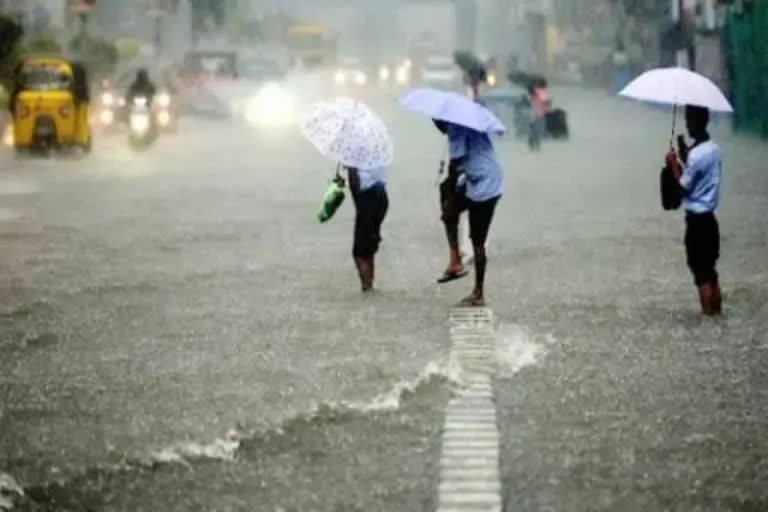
452	108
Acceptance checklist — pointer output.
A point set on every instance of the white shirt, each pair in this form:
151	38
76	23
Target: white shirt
371	177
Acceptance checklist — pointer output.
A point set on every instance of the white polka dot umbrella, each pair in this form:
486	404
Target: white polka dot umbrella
346	131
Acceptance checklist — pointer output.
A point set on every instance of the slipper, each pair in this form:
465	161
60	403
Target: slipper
449	276
472	302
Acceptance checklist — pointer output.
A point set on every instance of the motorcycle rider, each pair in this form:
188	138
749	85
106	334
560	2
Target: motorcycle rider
141	86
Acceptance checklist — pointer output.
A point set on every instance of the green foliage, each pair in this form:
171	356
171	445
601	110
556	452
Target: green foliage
98	56
3	98
127	48
10	35
746	50
43	46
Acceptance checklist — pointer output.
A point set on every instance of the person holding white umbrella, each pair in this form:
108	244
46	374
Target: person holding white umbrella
699	174
695	172
349	133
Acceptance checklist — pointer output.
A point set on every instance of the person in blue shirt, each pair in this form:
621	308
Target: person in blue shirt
369	193
699	173
474	184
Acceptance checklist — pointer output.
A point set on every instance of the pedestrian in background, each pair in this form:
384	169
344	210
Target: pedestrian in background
539	103
699	175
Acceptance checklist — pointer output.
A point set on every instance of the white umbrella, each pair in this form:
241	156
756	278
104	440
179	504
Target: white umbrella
677	86
346	131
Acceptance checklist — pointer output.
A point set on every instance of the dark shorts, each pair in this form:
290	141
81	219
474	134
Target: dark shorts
453	200
702	246
480	218
371	206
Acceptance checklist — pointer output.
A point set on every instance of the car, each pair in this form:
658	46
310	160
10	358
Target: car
113	112
262	97
351	71
261	70
394	72
205	66
440	71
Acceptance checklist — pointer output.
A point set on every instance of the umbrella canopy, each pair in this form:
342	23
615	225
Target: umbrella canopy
677	87
346	131
452	108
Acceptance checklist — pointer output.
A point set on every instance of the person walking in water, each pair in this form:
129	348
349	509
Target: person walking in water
475	184
699	175
539	101
369	193
476	75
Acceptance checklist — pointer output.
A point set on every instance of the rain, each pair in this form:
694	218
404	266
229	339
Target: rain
239	283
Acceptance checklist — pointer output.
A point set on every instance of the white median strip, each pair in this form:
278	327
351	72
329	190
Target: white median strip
469	465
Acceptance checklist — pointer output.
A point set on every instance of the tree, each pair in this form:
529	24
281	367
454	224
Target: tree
99	56
10	36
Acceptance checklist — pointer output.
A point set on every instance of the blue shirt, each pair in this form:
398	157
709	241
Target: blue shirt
371	177
481	168
701	178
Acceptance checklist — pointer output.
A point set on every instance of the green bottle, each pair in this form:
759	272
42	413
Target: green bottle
334	197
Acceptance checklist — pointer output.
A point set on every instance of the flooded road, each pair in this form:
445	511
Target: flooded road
177	332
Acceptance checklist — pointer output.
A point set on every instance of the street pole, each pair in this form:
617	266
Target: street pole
158	36
158	12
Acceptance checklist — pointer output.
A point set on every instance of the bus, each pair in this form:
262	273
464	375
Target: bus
311	46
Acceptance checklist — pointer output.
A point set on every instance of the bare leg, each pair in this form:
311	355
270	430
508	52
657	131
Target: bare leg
480	265
454	252
467	247
718	301
709	297
365	270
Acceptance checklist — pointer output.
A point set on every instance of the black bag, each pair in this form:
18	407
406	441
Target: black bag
557	124
671	191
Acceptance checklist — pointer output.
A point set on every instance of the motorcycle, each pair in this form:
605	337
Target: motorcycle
142	131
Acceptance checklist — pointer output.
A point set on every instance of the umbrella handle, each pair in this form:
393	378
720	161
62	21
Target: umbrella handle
674	121
440	171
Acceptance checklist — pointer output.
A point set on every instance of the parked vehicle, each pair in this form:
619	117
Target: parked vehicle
50	106
441	71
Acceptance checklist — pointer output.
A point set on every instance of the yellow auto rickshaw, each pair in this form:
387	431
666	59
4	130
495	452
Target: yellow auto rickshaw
49	105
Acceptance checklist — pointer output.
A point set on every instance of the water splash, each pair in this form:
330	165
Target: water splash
517	348
389	401
184	453
10	492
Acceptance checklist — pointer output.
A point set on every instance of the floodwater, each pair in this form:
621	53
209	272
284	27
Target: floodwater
177	332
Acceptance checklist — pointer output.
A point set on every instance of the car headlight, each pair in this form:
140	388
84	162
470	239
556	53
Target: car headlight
361	78
107	99
8	138
340	78
384	73
402	76
140	123
271	106
163	118
164	100
106	117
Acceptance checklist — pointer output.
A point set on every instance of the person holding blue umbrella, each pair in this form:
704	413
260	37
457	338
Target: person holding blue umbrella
474	182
